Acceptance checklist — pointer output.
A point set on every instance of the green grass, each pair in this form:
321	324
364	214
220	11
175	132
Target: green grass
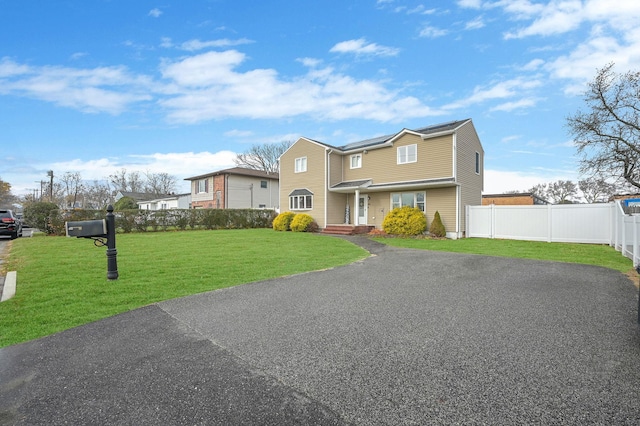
62	281
589	254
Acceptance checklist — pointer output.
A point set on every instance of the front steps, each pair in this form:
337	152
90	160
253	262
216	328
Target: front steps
347	229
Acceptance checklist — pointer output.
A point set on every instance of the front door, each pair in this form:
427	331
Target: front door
362	210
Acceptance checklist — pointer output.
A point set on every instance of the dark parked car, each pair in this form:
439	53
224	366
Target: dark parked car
10	224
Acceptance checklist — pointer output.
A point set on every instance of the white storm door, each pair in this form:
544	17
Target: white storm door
362	210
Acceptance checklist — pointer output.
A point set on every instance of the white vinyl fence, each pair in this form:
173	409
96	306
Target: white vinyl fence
572	223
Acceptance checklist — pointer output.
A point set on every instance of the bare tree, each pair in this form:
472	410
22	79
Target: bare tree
562	191
596	190
607	135
72	186
98	195
126	182
559	192
160	183
264	157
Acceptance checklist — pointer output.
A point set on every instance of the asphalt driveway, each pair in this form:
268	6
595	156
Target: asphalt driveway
403	337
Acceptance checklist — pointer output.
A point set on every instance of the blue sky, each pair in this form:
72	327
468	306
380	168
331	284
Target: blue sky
181	87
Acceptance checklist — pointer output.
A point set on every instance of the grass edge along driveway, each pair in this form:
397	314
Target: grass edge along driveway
62	281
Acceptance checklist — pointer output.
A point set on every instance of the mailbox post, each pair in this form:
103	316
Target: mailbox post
98	230
112	253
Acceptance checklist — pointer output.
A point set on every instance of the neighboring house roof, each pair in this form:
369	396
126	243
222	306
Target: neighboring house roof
242	171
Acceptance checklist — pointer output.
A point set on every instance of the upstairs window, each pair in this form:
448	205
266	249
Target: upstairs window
202	185
477	163
356	161
301	164
407	154
263	184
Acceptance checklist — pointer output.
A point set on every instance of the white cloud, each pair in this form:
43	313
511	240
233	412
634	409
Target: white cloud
361	47
510	106
501	181
193	45
99	169
207	86
103	89
475	24
432	32
155	13
500	90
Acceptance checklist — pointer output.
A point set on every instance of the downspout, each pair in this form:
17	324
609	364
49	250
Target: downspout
226	191
327	170
455	178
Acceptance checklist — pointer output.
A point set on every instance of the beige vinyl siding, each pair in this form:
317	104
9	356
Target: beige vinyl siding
336	205
434	160
313	179
442	200
471	182
335	168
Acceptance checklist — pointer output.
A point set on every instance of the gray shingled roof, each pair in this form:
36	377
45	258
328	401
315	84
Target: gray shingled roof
351	183
436	128
300	192
243	171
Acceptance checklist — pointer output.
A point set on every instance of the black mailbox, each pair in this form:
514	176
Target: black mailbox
87	228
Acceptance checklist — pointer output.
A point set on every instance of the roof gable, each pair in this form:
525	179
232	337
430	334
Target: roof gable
380	141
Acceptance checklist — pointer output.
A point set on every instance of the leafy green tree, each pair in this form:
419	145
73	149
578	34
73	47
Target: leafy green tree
39	214
125	203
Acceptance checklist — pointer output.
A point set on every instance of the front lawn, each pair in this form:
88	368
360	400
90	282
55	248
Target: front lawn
589	254
62	281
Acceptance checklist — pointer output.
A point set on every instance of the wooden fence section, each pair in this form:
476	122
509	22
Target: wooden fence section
573	223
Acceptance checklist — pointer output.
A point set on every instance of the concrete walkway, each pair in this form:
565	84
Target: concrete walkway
403	337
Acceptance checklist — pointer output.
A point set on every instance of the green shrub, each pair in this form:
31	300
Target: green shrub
437	227
125	203
282	222
405	221
302	222
39	215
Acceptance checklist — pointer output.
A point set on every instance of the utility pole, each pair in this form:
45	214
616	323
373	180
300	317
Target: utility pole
50	174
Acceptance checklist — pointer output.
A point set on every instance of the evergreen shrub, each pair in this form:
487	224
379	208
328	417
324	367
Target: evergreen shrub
282	222
437	227
405	221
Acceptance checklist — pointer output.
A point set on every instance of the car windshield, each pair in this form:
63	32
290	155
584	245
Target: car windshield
4	214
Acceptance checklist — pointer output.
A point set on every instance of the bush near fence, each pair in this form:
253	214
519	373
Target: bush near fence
166	220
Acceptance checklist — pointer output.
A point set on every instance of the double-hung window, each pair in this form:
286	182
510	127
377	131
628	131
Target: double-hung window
203	186
301	164
411	199
407	154
356	161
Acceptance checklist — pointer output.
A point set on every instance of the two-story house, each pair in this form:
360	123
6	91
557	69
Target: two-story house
235	188
435	168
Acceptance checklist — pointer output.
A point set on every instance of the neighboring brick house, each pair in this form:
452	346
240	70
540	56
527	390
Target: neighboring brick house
435	168
520	199
235	188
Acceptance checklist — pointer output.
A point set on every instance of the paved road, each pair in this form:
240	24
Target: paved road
403	337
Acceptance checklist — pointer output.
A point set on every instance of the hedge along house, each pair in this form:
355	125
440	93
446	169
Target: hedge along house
435	168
